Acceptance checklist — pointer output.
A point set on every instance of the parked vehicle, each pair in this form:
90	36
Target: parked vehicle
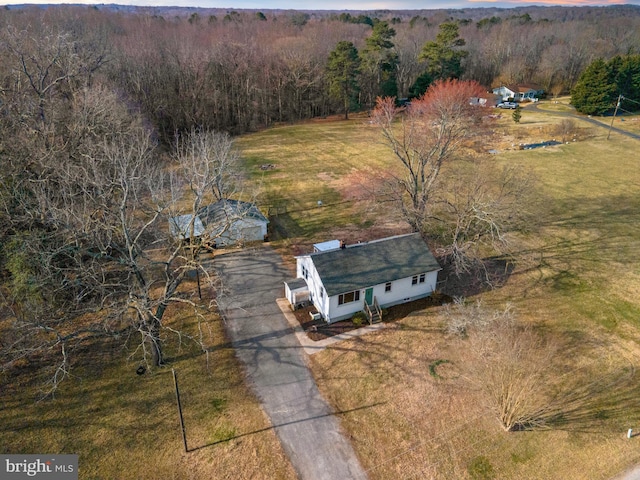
511	105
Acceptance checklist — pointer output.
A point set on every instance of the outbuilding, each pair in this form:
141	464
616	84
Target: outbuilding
230	222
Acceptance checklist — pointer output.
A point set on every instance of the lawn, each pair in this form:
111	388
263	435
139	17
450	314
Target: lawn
325	173
576	279
125	426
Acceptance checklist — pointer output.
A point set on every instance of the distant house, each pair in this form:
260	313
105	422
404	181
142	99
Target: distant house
228	222
478	101
524	91
366	276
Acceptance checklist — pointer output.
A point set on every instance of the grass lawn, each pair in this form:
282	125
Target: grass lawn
577	280
125	426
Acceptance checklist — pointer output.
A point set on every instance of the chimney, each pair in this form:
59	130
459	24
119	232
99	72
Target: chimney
342	245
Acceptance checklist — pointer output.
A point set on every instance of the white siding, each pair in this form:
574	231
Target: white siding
243	230
316	288
402	291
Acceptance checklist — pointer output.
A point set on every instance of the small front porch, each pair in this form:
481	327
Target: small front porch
372	310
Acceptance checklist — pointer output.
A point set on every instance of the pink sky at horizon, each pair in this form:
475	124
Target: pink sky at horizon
335	4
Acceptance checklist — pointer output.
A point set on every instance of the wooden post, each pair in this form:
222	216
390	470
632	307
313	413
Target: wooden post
198	279
184	432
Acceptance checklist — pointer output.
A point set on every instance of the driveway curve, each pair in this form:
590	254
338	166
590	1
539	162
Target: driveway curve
275	363
586	118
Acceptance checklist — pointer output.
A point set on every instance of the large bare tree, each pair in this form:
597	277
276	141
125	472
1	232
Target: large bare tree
478	208
97	258
431	132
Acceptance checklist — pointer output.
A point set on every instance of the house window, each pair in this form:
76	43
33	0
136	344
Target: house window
321	292
414	280
387	287
422	277
348	297
305	273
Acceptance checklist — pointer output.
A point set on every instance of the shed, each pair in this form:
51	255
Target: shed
229	222
180	227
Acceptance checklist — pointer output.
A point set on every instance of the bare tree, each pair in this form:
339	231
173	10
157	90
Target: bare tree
510	364
209	162
477	209
52	61
431	133
97	259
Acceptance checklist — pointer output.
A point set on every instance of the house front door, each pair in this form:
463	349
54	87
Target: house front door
368	296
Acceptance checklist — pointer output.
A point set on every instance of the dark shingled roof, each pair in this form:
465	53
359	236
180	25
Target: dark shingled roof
225	210
367	264
296	283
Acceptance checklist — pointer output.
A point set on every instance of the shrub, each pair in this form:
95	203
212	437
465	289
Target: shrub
359	319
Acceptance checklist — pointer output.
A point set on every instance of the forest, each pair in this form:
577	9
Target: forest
238	71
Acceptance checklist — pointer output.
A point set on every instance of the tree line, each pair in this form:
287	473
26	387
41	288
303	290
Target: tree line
606	85
245	70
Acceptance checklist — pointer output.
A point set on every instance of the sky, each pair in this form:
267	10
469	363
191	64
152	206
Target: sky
335	4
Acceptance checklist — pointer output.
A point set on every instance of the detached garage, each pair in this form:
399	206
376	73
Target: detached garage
230	222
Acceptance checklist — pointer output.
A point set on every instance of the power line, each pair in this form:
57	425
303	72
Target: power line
632	100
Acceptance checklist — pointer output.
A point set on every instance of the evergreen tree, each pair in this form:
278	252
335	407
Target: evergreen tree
379	64
420	86
342	72
517	114
595	92
626	74
443	56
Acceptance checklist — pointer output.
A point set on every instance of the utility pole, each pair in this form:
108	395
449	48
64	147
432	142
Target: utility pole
620	98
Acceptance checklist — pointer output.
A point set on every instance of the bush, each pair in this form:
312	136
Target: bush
359	319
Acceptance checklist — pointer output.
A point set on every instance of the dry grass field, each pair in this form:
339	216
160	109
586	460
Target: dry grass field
576	281
125	426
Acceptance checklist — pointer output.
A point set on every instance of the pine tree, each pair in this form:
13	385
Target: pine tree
443	56
595	92
517	114
342	71
379	63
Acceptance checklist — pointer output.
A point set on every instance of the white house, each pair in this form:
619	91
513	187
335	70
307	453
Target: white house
524	91
382	272
229	222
